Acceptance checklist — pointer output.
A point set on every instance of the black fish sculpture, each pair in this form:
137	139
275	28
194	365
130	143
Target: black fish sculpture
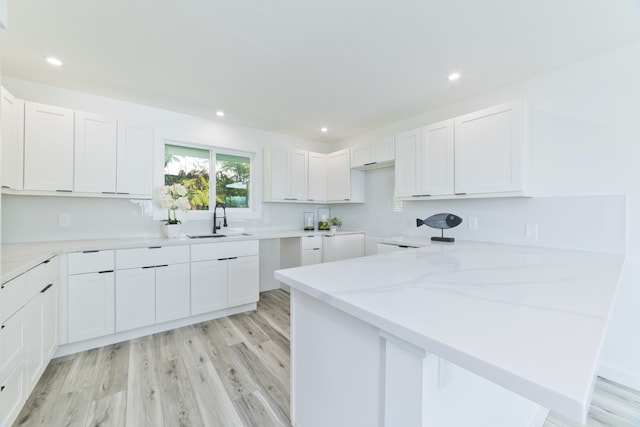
441	221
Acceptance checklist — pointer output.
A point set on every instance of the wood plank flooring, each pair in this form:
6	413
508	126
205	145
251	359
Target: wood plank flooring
228	372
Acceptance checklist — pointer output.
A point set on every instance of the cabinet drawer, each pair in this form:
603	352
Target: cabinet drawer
90	262
151	256
209	251
11	342
310	242
17	292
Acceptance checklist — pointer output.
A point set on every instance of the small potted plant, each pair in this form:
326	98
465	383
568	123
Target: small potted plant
336	223
172	198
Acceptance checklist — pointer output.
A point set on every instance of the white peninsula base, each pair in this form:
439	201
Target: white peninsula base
346	372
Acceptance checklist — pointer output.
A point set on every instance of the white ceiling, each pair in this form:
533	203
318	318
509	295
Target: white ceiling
293	66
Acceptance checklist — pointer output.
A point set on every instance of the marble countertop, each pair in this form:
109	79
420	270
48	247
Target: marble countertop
530	319
20	257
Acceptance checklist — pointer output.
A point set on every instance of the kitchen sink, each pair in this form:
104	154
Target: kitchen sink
212	236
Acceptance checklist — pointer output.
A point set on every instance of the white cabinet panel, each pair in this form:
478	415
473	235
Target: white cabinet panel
336	247
299	175
172	292
12	345
373	156
317	167
95	153
13	394
33	328
48	148
408	164
311	256
91	305
276	173
242	276
208	286
214	251
135	298
50	321
489	150
12	127
436	159
338	176
135	159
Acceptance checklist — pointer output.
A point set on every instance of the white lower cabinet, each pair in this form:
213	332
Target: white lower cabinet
91	305
172	292
152	286
90	294
310	250
13	394
242	280
337	247
208	286
28	334
135	298
224	275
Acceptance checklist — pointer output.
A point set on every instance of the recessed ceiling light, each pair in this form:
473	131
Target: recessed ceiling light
54	61
454	76
324	130
220	113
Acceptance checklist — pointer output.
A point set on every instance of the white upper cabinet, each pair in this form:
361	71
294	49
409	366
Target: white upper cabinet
48	148
343	183
299	166
408	164
135	159
12	126
95	153
276	173
436	158
377	155
316	181
489	150
478	155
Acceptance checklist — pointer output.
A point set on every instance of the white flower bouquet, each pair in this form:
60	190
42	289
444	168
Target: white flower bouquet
172	198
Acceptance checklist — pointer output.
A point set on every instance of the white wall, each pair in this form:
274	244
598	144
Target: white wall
584	131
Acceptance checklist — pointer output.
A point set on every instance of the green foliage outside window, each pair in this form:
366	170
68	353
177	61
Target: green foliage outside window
191	168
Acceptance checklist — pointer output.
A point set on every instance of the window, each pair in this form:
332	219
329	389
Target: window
193	167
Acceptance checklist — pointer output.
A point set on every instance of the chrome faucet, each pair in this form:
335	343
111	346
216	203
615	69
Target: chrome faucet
215	217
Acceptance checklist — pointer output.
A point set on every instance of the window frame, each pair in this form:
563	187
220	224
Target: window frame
255	206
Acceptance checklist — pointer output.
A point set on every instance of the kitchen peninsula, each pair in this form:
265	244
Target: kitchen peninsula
449	335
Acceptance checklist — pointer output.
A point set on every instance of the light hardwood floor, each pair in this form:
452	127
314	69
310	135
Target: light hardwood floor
232	371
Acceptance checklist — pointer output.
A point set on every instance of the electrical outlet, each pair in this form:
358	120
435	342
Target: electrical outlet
531	231
64	220
473	222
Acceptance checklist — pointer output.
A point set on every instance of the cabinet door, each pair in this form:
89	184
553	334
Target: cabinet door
172	292
360	156
338	176
33	340
383	151
347	246
50	321
277	173
12	341
311	256
48	148
135	159
91	305
299	175
12	394
243	287
208	286
489	150
437	159
11	121
135	298
95	153
408	164
317	165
